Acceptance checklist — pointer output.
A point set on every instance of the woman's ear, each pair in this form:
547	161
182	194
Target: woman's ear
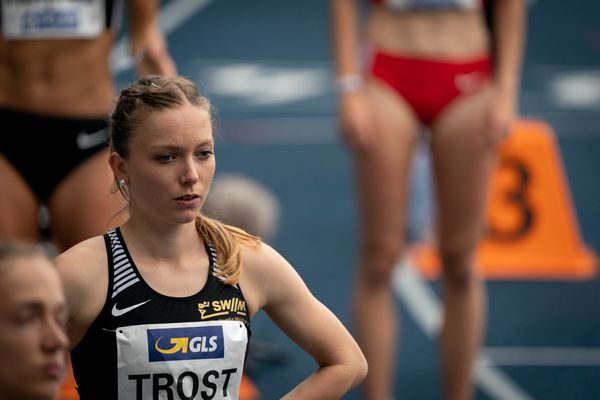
118	166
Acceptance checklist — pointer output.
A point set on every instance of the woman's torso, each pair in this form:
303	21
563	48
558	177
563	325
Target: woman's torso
63	74
437	33
144	342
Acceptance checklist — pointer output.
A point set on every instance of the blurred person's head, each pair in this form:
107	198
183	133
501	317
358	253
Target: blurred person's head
33	342
241	201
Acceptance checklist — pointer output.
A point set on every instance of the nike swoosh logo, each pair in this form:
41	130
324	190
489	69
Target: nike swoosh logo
88	140
118	312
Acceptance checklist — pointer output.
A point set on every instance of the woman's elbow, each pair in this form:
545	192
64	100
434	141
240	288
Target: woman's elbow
358	369
361	370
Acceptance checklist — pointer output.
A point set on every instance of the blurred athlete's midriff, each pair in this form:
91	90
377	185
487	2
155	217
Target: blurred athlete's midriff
44	76
449	34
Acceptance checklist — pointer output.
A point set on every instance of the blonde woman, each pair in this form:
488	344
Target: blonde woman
161	305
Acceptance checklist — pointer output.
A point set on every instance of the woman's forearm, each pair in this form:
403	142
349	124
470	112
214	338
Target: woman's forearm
510	25
344	37
330	382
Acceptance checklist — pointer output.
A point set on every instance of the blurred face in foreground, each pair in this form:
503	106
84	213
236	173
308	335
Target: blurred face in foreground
33	343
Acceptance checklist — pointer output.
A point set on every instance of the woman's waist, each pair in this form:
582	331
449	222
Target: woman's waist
69	100
62	84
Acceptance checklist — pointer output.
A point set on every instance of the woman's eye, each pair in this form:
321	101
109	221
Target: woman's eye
165	157
203	154
25	318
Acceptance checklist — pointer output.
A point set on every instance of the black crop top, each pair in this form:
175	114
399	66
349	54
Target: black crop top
146	345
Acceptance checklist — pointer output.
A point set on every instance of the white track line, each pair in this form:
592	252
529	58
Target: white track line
171	16
424	307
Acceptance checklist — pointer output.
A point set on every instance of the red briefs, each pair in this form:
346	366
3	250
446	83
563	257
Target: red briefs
429	85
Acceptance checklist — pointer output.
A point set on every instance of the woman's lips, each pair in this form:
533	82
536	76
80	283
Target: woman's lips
53	370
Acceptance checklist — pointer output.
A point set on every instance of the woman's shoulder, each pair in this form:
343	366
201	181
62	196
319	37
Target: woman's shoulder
265	263
84	272
89	252
266	275
259	252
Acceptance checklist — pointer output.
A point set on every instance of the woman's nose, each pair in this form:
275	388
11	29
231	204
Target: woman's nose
55	336
190	174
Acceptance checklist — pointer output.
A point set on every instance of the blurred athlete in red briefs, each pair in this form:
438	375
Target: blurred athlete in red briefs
415	64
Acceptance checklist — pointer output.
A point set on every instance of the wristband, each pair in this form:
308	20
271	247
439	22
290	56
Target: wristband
349	83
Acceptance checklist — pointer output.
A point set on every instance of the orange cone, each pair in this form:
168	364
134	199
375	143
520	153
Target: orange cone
532	228
68	389
248	390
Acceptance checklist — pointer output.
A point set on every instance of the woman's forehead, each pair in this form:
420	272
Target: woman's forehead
182	114
172	124
28	275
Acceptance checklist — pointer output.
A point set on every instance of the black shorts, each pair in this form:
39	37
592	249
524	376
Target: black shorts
45	149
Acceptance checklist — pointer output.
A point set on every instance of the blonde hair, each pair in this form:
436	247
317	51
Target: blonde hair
227	241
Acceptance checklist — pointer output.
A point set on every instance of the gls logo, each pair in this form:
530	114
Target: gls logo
185	343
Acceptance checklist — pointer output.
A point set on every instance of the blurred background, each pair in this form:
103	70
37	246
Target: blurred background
266	67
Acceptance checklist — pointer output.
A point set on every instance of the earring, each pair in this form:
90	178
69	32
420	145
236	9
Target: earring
122	183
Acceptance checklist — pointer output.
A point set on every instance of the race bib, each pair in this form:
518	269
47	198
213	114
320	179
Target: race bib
47	19
198	360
